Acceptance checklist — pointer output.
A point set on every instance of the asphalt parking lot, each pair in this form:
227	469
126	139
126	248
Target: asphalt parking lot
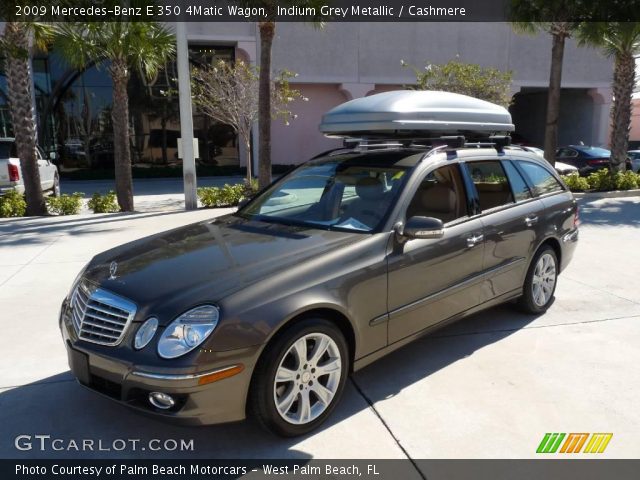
487	387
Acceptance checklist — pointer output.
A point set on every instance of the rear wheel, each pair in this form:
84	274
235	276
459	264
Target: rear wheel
540	282
300	378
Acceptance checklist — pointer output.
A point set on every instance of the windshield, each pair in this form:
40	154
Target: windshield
336	194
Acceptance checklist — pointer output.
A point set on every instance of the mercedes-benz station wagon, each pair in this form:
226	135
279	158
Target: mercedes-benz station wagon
426	218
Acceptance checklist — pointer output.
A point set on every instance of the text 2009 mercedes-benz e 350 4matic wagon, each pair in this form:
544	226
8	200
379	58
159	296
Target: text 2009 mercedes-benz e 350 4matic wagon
430	216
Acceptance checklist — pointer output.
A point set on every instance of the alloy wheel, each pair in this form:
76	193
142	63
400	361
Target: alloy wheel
544	279
307	378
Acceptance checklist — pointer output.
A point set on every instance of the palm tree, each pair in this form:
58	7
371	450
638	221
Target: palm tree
267	30
125	47
17	44
620	40
530	17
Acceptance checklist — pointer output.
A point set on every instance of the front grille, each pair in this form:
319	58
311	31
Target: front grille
100	316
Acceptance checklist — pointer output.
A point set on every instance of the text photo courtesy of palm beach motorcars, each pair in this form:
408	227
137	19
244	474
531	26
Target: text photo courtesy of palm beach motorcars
319	245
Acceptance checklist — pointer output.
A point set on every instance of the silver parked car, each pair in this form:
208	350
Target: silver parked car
634	160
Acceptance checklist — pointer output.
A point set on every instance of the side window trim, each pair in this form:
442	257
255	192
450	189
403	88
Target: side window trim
473	201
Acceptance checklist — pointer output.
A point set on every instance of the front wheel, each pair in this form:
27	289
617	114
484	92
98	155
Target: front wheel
300	378
540	283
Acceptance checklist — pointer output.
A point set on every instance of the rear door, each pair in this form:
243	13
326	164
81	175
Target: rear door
510	216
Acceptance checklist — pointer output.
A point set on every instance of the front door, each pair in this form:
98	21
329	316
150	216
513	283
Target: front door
431	280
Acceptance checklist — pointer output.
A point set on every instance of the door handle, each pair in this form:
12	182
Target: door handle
531	220
474	240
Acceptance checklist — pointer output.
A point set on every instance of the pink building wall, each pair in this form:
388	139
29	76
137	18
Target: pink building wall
301	139
634	134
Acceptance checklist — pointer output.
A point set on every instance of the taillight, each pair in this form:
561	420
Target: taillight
14	173
576	219
598	162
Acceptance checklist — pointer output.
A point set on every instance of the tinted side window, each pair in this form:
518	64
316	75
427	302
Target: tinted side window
518	186
491	184
440	195
541	178
567	152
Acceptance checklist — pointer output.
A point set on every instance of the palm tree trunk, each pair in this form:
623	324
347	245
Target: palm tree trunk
267	32
19	85
623	83
121	151
246	138
553	98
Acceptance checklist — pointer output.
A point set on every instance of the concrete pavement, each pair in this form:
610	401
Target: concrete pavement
487	387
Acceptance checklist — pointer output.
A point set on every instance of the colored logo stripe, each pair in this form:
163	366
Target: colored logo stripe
550	443
598	442
574	442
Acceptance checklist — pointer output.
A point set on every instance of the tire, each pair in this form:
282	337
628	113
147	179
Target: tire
540	282
300	380
55	191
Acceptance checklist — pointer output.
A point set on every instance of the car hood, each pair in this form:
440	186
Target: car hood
208	260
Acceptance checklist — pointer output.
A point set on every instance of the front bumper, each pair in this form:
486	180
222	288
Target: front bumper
105	371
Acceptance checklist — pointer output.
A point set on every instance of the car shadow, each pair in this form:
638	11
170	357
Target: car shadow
431	353
610	211
60	407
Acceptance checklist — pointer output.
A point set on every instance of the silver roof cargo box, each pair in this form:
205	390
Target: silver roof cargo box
412	113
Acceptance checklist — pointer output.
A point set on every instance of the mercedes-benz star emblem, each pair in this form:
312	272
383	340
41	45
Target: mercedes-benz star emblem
113	269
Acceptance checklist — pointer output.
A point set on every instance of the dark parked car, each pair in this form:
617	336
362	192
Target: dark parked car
585	158
336	264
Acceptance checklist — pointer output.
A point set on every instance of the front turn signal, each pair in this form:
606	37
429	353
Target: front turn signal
220	374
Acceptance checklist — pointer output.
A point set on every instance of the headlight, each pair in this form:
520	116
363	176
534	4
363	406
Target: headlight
145	333
188	331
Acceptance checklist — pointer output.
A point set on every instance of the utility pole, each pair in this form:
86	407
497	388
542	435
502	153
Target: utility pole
186	118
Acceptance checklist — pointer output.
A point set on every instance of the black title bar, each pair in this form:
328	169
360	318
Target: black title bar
321	11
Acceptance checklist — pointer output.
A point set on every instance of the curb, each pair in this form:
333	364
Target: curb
613	194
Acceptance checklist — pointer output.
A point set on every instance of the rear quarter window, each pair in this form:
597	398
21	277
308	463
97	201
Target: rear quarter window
542	180
7	150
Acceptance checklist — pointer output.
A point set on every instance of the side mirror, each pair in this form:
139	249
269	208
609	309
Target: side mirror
243	202
423	227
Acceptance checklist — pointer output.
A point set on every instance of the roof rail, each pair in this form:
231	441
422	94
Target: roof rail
431	144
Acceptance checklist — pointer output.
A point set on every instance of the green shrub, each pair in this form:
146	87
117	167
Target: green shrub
104	203
602	180
226	196
627	180
65	204
576	183
12	204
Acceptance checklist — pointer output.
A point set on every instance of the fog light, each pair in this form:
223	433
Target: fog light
161	400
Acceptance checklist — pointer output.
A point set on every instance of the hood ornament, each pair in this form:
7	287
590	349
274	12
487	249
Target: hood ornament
113	269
